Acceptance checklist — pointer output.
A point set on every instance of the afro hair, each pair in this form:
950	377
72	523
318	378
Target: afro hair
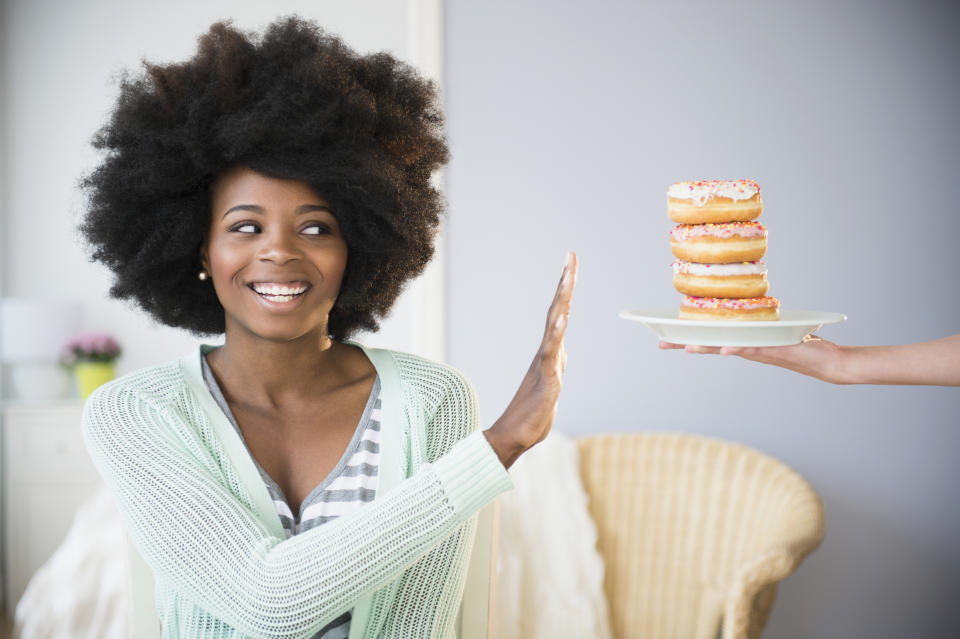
364	131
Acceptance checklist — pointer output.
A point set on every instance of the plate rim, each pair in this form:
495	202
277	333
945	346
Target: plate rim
821	318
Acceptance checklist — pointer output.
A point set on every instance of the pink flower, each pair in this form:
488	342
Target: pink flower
90	347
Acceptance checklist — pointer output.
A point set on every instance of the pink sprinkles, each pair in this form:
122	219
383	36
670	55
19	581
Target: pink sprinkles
732	304
683	232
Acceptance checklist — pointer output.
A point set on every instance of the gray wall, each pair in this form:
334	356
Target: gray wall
567	122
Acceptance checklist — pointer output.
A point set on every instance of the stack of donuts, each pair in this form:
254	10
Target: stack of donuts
718	244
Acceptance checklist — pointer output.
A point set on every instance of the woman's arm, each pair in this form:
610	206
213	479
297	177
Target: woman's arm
525	422
529	416
208	545
935	363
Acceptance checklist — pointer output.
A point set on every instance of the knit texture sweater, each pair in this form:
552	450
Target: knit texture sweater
201	517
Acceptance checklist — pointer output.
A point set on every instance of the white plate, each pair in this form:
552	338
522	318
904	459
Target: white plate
791	328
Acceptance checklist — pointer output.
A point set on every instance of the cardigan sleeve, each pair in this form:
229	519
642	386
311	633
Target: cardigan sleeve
213	551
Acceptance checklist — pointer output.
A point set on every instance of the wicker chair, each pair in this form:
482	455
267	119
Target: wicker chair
695	533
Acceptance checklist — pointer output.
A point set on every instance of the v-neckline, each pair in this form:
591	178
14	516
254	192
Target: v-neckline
337	469
395	420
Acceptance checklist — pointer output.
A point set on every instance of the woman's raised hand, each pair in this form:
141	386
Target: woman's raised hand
529	417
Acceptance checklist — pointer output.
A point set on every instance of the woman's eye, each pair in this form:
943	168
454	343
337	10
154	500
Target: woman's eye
320	229
317	228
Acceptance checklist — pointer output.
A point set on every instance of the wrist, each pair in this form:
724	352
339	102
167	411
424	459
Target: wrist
506	448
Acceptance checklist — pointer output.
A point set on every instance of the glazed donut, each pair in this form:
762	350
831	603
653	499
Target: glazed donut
719	243
718	308
714	201
739	280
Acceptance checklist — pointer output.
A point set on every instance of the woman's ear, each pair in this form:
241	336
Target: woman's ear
204	262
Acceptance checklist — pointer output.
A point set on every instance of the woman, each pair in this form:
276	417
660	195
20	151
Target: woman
292	483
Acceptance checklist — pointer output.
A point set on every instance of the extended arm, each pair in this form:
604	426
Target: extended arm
935	363
526	422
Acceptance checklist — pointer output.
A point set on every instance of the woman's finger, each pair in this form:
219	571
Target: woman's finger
669	345
564	293
735	350
694	348
551	347
560	307
561	363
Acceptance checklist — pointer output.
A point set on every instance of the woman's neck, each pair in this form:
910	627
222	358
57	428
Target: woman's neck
270	374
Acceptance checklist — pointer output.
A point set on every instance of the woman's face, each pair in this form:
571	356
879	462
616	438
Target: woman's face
270	239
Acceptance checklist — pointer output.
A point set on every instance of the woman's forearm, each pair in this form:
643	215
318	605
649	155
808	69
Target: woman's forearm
935	363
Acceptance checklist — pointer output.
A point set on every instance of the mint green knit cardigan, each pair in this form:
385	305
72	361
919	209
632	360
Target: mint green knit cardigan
199	513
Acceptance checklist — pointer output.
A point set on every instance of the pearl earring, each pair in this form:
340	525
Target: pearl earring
202	275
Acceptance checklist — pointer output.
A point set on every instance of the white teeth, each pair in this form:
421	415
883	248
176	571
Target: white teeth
279	290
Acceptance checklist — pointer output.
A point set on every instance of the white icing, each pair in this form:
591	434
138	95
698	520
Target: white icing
720	270
704	190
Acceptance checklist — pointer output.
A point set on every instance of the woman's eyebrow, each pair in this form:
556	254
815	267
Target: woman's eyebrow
255	208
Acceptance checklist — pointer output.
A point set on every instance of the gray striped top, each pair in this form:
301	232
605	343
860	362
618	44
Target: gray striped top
351	483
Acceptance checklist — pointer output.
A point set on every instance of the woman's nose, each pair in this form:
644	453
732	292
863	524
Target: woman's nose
278	246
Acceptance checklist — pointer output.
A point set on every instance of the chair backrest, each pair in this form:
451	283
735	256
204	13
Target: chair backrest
676	516
474	620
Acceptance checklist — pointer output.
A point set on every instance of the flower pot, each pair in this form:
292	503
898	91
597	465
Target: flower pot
90	375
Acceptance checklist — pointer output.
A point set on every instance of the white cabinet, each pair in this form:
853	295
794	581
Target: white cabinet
46	475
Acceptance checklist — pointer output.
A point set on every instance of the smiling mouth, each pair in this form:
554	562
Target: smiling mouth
280	297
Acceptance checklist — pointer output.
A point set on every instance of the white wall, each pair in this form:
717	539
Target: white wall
62	61
568	120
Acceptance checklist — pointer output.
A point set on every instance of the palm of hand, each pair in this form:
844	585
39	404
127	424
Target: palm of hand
529	417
